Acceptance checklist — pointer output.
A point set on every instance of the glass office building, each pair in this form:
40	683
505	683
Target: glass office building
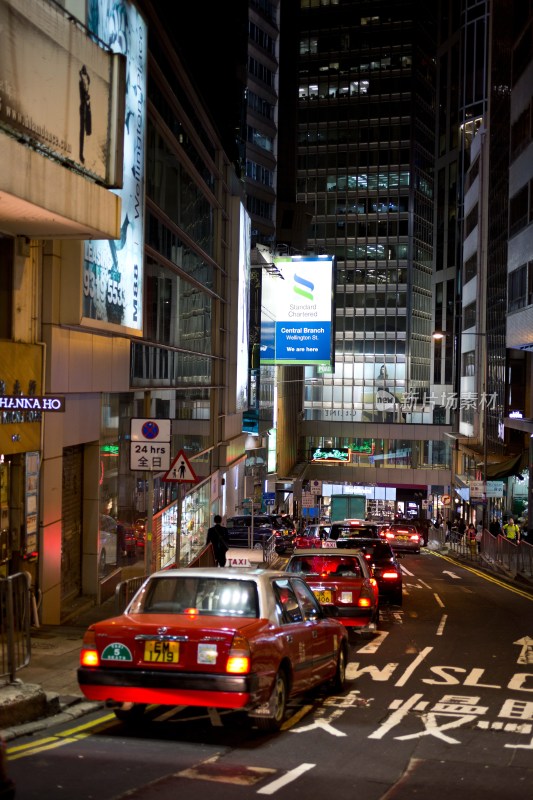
365	154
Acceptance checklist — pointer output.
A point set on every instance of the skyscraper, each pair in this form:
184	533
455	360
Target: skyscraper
365	150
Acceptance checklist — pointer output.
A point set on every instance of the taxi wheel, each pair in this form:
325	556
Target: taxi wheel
277	705
339	681
131	716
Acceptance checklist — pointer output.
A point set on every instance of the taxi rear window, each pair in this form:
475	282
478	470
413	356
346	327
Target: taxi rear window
326	565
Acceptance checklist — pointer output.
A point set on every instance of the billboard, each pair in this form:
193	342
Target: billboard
297	311
56	87
113	270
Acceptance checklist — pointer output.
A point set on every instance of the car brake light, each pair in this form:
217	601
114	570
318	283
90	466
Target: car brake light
239	656
389	535
391	575
364	602
89	654
415	537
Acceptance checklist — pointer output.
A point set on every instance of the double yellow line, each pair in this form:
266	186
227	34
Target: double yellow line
503	584
65	737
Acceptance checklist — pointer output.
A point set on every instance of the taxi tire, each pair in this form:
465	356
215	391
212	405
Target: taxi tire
278	705
339	681
131	716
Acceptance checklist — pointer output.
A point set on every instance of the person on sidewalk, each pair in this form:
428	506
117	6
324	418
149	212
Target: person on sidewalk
512	531
218	537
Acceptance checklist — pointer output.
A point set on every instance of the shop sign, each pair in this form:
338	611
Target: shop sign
21	401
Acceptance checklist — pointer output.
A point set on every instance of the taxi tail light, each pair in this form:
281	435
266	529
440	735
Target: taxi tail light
415	537
239	657
89	654
389	535
366	598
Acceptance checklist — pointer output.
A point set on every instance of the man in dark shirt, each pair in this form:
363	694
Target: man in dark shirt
218	537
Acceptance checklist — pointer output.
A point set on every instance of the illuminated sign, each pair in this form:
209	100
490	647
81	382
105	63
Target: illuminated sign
112	270
331	455
297	311
21	402
365	446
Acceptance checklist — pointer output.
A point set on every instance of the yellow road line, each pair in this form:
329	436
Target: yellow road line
480	574
64	737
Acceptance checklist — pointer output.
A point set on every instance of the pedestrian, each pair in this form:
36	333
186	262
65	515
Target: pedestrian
218	538
495	528
512	531
471	533
461	528
448	530
479	535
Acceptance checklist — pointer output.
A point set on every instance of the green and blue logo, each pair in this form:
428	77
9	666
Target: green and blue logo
303	283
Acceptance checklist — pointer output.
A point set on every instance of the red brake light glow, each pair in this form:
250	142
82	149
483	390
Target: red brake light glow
239	658
390	575
89	657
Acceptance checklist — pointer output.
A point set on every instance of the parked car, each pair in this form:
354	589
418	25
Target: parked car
108	543
385	568
342	580
312	536
347	532
214	637
403	538
265	526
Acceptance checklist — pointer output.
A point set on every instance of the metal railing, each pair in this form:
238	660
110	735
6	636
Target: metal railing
516	559
15	624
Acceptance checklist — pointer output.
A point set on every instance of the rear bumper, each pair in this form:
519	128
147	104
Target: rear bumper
168	688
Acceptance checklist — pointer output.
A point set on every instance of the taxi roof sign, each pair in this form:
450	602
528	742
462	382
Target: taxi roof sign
180	470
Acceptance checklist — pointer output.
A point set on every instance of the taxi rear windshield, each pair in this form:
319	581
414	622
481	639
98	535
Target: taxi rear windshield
354	532
326	565
202	596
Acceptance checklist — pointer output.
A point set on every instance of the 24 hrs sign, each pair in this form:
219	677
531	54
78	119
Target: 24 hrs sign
150	445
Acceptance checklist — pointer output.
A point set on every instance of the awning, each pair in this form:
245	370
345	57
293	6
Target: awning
512	465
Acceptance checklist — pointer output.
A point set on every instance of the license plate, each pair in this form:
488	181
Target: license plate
162	652
322	596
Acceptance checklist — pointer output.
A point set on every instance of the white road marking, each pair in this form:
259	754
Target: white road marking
409	671
526	653
372	646
439	601
288	778
451	574
425	584
406	571
442	623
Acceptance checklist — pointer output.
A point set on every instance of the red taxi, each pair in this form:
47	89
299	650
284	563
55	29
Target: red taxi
217	638
312	536
402	538
341	579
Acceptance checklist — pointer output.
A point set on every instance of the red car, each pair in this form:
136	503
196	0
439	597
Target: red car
403	538
312	536
217	638
341	580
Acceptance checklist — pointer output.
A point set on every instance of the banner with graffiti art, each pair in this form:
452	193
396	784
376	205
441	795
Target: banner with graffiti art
297	311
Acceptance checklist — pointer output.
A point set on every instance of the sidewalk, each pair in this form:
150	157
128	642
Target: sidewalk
48	686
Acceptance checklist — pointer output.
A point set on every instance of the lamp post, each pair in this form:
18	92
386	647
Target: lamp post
483	361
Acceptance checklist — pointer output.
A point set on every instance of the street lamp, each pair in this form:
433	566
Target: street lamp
439	335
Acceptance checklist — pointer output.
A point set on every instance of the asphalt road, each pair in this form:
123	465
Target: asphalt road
439	704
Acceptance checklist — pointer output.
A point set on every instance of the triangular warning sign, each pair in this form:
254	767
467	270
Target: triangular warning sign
180	470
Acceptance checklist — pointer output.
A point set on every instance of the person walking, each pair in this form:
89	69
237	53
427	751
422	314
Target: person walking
218	538
495	528
512	531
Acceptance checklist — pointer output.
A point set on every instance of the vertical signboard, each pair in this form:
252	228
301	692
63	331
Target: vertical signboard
112	270
297	312
243	309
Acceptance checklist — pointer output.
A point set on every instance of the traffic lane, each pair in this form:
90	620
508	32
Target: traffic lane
470	620
385	719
